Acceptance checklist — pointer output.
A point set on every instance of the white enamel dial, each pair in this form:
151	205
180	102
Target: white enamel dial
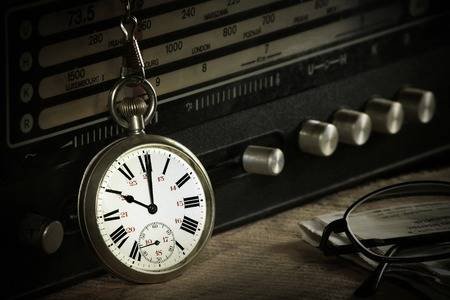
133	212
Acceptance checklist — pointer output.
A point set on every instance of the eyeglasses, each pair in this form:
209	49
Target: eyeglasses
403	223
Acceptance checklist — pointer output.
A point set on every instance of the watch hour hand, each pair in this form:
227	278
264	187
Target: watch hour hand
130	199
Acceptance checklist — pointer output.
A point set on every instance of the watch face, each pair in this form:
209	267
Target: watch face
152	210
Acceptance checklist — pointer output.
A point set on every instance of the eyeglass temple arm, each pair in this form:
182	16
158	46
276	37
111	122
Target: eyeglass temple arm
408	191
340	225
336	226
370	285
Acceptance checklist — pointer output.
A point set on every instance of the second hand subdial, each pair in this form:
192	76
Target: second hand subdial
160	240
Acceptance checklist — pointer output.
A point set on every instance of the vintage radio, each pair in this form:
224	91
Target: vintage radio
282	101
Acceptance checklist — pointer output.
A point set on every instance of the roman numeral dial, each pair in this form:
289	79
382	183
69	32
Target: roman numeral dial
145	240
180	182
126	172
119	236
144	161
191	202
166	165
134	253
189	225
112	215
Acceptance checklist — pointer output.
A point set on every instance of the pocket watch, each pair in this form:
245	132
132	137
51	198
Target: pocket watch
145	204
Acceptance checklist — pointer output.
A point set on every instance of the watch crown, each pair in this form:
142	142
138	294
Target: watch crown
133	110
130	107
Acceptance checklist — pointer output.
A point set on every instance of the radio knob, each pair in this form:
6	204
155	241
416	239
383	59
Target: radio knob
318	138
41	233
263	160
354	127
386	115
418	105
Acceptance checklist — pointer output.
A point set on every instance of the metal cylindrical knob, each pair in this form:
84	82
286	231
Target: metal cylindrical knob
41	233
263	160
318	138
354	127
418	105
386	115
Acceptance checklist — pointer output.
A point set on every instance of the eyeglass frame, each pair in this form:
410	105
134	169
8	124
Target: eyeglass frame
400	189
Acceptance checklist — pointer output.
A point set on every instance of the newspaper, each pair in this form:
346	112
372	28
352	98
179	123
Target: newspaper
394	221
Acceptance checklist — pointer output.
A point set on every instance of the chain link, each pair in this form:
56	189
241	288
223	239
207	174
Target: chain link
133	63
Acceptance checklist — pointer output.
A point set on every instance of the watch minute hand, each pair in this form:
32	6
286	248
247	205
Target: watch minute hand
152	208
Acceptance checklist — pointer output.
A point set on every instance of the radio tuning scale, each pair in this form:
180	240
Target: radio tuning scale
145	205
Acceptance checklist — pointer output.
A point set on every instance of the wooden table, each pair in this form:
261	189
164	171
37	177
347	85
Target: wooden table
264	260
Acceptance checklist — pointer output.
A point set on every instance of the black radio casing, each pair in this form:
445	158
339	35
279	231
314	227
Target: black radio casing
43	178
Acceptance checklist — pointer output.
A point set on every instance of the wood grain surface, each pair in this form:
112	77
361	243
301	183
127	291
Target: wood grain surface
266	259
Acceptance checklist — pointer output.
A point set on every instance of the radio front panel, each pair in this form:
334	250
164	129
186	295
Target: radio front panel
59	76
